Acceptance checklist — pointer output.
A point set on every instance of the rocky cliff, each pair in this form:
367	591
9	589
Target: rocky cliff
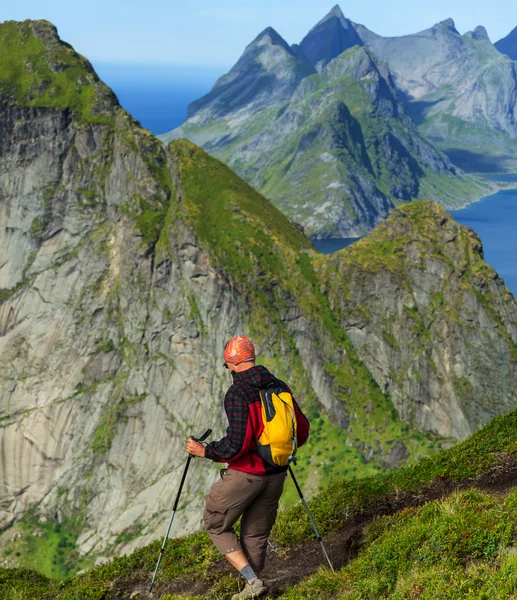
125	265
329	38
334	150
460	91
267	73
508	45
413	297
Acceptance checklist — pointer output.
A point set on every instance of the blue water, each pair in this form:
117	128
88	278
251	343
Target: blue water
158	95
331	245
494	219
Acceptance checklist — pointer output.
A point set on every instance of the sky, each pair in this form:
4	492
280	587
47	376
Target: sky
207	33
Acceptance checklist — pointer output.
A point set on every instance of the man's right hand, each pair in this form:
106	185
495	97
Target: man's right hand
195	448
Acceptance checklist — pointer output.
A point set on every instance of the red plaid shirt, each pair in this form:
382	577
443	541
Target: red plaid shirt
243	409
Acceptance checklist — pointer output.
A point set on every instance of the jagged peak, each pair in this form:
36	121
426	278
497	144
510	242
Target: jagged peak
479	34
335	13
508	44
448	24
272	37
329	38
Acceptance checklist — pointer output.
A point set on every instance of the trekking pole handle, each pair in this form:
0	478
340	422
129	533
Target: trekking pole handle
203	437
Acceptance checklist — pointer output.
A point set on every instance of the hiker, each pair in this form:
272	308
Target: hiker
250	486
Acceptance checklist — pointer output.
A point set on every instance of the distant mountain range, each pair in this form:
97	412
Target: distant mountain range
340	128
460	91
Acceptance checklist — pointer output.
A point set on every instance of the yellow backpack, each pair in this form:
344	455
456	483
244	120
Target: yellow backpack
277	443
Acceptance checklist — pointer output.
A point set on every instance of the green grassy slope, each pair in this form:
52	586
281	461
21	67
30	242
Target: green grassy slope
271	264
37	69
418	539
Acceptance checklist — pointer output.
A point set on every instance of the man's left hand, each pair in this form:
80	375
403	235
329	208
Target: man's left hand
195	448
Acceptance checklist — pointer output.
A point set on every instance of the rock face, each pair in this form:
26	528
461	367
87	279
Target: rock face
267	74
414	298
125	266
334	150
508	45
460	91
329	38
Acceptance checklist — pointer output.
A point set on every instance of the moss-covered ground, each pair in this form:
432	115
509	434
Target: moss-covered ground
41	71
443	528
48	548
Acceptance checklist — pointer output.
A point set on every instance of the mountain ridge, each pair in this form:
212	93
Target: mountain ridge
305	168
459	90
328	39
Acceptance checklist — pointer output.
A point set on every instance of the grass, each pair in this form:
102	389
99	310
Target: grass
462	547
441	549
41	71
477	455
48	548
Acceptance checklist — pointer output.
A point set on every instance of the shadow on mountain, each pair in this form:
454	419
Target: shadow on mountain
417	111
471	162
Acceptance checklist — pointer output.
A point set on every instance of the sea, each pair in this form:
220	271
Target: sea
494	219
158	96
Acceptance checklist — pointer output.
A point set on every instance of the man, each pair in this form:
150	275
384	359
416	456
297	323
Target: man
250	486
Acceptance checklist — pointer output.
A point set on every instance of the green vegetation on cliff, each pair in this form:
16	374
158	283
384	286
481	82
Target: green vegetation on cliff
445	295
271	264
38	69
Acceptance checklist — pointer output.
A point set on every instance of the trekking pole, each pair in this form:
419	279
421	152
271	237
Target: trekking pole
318	536
190	456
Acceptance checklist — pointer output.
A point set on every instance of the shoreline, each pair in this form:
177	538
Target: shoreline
499	186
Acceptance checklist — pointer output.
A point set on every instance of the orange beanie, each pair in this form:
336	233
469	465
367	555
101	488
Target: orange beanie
239	349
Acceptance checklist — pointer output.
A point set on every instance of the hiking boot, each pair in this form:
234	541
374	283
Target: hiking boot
252	591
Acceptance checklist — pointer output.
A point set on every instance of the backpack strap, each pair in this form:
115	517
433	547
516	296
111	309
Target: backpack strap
267	399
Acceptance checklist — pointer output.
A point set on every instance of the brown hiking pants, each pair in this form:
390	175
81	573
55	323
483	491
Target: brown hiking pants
255	497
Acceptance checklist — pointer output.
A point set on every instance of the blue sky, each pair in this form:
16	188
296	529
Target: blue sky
214	33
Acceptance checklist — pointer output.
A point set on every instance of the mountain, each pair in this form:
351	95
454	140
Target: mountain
508	45
336	151
434	271
329	38
444	526
125	267
459	90
267	73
